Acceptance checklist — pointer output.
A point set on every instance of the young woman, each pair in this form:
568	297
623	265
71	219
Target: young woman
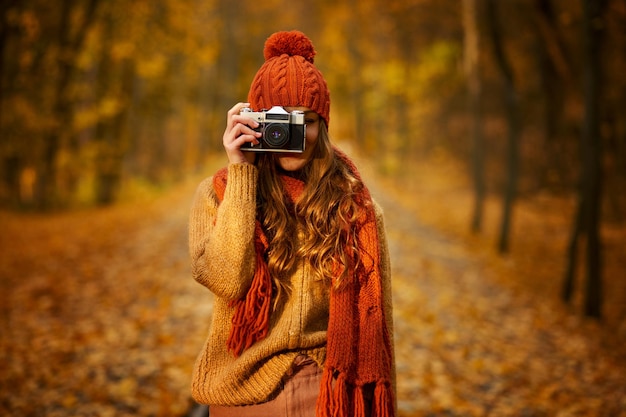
294	250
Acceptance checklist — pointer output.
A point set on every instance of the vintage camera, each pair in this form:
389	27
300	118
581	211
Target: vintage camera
281	131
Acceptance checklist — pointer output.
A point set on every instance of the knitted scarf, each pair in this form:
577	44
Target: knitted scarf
358	349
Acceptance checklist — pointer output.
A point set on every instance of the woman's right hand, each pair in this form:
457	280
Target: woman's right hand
239	130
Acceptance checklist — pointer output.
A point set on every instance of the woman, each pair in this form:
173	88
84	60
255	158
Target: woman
293	248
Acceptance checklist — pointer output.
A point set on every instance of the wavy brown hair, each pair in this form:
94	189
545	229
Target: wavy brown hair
324	215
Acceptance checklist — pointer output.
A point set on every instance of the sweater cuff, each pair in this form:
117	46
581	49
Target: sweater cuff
242	182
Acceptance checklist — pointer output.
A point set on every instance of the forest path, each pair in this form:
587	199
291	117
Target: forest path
100	316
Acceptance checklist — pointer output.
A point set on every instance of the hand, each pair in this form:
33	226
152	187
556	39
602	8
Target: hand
239	130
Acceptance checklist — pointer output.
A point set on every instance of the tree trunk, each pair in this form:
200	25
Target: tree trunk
62	106
556	80
110	132
572	253
229	69
592	153
356	88
472	50
511	104
10	162
4	9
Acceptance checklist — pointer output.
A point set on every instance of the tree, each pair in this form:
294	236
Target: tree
69	44
511	105
474	87
110	132
587	218
557	80
11	162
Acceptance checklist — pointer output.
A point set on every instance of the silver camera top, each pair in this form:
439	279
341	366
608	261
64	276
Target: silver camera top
276	114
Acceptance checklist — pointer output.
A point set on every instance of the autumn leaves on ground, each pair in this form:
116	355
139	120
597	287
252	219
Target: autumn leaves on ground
100	316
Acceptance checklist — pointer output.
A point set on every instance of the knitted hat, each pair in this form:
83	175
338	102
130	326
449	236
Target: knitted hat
288	78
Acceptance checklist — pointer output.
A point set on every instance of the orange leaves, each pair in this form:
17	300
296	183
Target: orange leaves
91	323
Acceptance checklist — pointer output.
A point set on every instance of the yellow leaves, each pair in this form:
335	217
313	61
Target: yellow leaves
125	388
395	76
85	118
108	107
153	66
206	55
122	50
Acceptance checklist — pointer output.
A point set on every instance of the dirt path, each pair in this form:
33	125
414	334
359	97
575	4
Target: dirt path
100	317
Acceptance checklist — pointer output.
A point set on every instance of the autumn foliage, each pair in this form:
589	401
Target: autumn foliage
461	111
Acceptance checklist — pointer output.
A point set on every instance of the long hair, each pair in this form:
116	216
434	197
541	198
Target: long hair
324	216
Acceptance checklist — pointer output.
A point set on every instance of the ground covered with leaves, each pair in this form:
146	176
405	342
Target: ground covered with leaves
100	316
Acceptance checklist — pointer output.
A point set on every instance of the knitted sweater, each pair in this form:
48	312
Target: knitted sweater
221	243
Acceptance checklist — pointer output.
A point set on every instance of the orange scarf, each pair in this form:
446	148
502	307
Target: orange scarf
358	348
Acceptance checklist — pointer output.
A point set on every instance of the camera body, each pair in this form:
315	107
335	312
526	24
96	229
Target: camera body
282	131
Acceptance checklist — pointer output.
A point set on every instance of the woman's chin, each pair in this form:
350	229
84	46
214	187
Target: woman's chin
293	162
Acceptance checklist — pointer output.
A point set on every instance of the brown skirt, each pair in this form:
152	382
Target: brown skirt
297	398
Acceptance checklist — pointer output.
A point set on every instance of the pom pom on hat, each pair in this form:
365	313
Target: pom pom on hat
292	43
289	78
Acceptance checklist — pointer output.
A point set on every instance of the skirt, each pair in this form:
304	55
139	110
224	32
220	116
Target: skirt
298	397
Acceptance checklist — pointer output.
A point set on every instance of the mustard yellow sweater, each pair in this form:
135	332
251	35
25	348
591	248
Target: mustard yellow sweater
221	243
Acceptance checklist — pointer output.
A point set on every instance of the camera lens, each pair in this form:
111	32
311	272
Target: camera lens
276	135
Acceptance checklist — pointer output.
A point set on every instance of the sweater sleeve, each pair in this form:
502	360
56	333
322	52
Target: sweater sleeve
221	235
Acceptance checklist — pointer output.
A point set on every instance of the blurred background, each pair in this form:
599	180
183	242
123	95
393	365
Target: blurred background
97	93
479	108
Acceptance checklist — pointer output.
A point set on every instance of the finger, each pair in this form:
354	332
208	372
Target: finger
240	134
233	112
245	127
235	146
237	123
246	120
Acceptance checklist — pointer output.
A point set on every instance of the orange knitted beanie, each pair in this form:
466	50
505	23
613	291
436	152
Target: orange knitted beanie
288	78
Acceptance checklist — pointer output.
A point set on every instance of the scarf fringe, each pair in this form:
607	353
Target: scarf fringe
383	405
359	403
339	398
341	401
325	398
250	322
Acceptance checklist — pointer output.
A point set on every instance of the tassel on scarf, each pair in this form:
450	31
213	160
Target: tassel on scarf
383	400
250	321
325	398
341	400
359	402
